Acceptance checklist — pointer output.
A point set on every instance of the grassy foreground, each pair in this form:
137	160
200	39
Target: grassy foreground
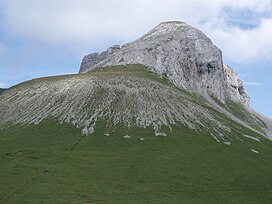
53	163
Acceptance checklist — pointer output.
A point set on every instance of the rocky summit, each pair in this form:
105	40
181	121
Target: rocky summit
182	53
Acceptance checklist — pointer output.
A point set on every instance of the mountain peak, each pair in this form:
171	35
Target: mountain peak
164	28
180	52
172	24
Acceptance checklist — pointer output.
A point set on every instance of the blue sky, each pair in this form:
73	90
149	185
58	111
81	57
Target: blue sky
50	37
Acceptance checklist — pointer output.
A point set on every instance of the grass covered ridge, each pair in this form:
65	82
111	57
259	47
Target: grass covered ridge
135	70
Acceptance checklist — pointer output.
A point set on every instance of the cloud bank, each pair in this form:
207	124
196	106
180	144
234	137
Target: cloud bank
242	29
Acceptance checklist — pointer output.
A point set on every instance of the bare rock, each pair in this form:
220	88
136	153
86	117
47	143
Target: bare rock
179	52
235	87
92	59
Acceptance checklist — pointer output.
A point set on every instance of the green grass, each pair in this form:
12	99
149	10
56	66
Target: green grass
53	163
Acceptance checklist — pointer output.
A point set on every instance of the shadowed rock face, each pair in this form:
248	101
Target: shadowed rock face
94	58
176	50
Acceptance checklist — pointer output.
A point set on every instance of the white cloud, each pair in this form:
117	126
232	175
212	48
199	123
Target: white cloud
253	83
242	45
93	24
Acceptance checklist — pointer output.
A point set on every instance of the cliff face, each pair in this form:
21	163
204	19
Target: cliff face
94	58
235	87
178	51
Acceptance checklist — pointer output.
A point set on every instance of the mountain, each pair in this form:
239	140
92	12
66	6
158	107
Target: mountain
178	51
158	120
2	90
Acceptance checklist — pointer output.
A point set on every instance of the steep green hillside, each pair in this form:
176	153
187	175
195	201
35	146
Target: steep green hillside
240	112
53	163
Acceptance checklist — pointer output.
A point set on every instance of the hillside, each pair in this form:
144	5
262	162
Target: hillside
197	156
129	132
53	163
1	90
129	95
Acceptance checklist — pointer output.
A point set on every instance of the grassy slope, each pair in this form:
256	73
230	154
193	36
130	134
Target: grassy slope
240	112
52	163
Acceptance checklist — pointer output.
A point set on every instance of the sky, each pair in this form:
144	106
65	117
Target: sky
50	37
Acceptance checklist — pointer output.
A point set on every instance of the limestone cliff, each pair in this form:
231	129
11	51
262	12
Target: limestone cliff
94	58
178	51
235	87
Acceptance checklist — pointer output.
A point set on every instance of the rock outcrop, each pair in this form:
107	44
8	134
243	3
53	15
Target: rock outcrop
178	51
92	59
235	87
